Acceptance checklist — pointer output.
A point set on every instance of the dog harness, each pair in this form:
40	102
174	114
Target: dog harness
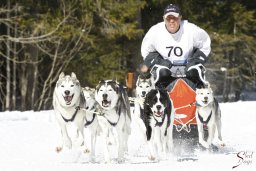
89	122
161	123
77	109
73	117
93	117
202	120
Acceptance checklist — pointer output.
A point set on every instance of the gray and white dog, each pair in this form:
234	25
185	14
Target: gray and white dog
115	113
91	120
208	117
67	100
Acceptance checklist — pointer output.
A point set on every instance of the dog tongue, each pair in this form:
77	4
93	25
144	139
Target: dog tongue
159	113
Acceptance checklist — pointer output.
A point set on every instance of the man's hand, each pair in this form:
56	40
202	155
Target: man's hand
144	68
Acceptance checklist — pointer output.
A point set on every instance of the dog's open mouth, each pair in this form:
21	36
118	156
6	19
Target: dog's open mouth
158	113
106	103
68	99
205	101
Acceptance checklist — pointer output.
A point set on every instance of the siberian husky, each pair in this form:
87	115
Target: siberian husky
143	85
115	113
158	117
67	100
91	121
208	117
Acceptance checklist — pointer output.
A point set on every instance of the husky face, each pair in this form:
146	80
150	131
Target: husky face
68	89
157	103
143	86
89	98
204	96
106	94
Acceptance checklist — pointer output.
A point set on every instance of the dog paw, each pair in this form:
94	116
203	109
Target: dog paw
222	144
107	161
58	149
152	158
204	144
68	144
86	151
93	159
120	160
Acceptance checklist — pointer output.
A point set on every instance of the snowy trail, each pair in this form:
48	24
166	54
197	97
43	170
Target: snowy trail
28	141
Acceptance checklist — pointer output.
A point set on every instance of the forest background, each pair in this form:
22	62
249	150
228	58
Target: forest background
100	39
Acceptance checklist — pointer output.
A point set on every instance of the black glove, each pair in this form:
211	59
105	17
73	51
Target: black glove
198	57
166	62
154	58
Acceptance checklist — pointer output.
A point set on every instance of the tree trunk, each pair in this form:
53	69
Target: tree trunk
34	94
8	69
14	67
23	86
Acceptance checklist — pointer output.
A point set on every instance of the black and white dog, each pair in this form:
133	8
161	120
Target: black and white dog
115	113
158	117
143	85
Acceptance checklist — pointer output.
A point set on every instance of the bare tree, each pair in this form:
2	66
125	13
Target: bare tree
39	53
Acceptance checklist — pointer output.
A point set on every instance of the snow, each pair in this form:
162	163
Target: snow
28	140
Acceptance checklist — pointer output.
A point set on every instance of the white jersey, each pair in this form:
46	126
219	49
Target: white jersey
175	47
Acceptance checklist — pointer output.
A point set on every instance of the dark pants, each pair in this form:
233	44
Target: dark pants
165	78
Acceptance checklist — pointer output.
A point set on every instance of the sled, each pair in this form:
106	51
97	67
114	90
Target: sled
183	97
182	93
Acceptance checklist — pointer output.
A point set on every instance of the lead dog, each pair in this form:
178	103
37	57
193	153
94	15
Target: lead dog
158	117
67	100
208	117
115	113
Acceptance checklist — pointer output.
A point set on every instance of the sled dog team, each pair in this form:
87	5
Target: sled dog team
107	108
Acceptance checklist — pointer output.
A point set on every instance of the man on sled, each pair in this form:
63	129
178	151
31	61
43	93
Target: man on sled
174	52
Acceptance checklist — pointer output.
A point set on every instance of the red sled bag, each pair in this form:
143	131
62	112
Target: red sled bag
183	98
